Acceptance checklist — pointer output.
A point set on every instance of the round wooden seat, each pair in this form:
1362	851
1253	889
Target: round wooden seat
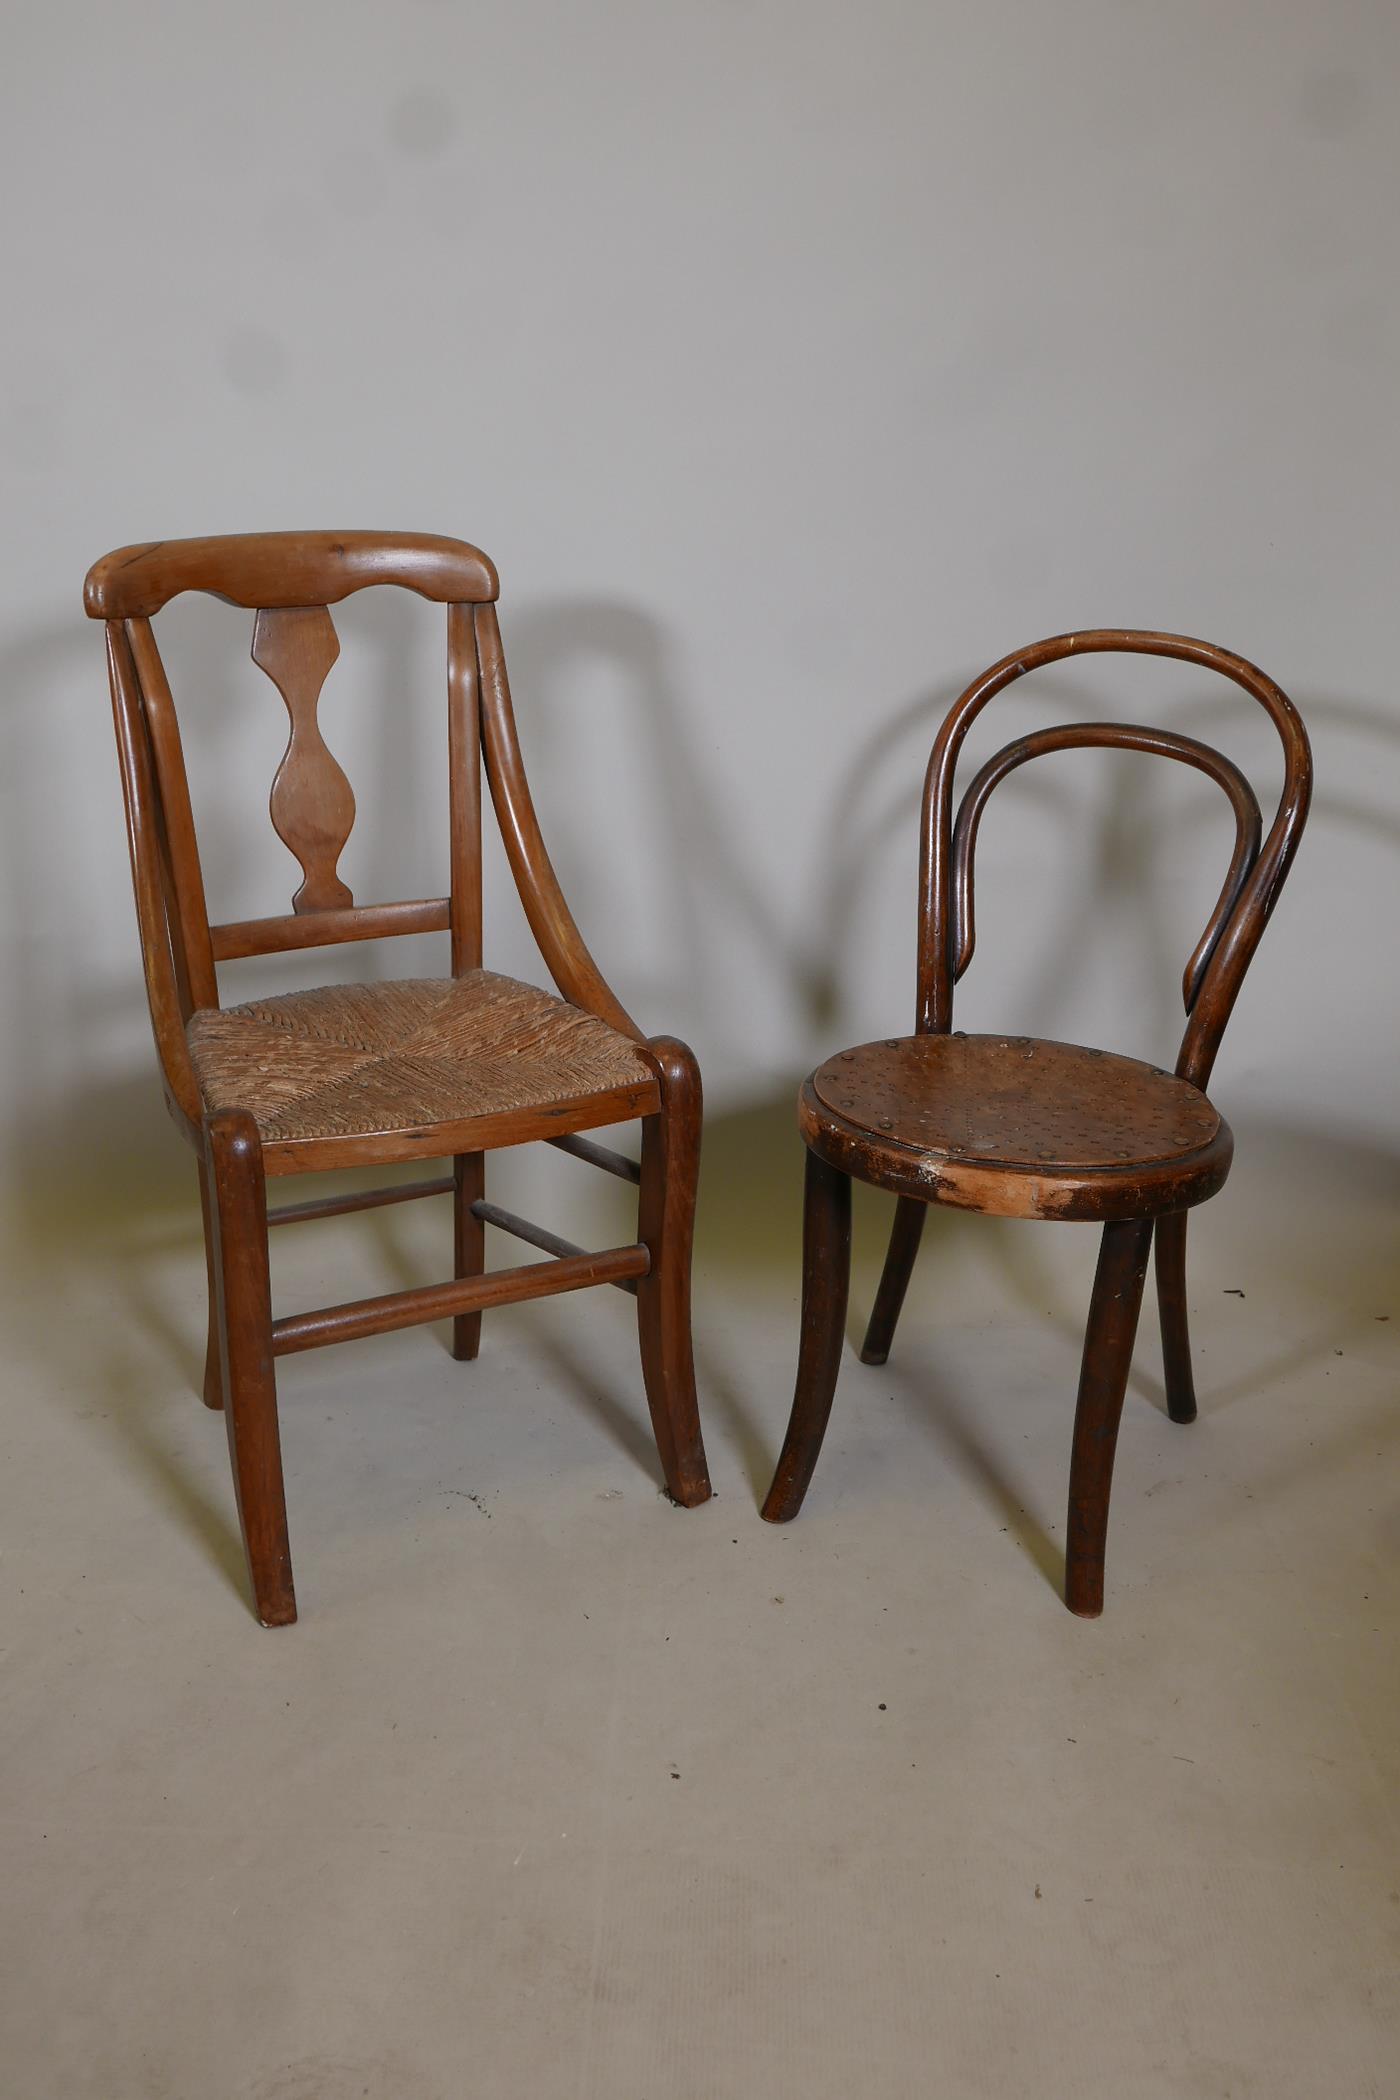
1016	1127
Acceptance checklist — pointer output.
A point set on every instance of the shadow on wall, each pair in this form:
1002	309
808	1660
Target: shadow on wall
85	1164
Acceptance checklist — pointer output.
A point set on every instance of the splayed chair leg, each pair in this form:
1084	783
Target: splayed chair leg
907	1231
238	1205
826	1275
1171	1307
468	1245
666	1225
1103	1380
213	1372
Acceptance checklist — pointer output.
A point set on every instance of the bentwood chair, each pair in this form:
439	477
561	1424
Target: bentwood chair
347	1075
1018	1128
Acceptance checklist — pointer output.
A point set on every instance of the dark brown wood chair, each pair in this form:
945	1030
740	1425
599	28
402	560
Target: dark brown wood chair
1018	1128
346	1075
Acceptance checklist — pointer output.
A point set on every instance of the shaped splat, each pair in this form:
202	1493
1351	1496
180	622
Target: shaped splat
312	802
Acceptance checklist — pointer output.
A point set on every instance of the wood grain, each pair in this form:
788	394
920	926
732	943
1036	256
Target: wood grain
254	569
440	1301
312	802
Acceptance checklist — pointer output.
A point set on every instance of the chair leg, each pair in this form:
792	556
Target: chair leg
907	1231
213	1373
1171	1307
1103	1380
826	1275
665	1225
468	1245
238	1207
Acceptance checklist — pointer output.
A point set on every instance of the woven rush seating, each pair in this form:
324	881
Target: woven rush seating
349	1060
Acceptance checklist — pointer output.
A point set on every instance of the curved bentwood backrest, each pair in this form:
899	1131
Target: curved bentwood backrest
289	580
1257	868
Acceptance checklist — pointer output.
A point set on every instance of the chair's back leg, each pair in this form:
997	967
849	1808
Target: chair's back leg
826	1277
1103	1380
238	1205
905	1234
213	1369
666	1223
1171	1307
468	1245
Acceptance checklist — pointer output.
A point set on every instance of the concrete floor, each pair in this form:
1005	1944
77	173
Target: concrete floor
558	1791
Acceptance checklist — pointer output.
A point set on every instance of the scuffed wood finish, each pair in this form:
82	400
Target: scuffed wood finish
600	1156
347	1076
360	1199
440	1301
158	924
239	1209
1016	1127
312	802
464	789
1013	1126
1171	1307
1103	1380
469	1245
255	569
670	1175
174	819
538	1236
826	1272
238	938
905	1235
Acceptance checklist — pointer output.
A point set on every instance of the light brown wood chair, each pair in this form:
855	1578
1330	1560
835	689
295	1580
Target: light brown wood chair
1018	1128
348	1075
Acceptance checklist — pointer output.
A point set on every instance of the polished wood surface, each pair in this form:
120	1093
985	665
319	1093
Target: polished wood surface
345	1076
257	569
312	802
440	1301
826	1275
1014	1126
669	1177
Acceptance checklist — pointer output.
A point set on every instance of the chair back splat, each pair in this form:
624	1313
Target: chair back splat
290	581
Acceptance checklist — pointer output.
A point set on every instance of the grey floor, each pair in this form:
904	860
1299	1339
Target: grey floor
558	1791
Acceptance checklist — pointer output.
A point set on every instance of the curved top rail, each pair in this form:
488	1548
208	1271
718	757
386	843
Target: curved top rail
277	569
1238	935
1124	736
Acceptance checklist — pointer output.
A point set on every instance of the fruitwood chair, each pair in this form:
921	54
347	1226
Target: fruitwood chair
346	1075
1018	1128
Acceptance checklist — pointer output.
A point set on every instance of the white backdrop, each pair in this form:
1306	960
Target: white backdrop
792	362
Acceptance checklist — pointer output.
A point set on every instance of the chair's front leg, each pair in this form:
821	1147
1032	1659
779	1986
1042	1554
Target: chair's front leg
238	1210
905	1234
468	1245
826	1277
1103	1380
213	1368
1171	1307
666	1225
